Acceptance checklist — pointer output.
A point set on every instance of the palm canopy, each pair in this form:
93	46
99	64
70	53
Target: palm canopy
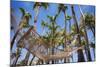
22	11
62	8
68	17
44	5
90	20
51	18
25	18
43	23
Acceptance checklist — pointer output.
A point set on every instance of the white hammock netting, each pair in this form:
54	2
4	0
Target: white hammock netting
35	45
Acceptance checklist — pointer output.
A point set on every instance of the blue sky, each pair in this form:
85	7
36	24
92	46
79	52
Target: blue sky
52	9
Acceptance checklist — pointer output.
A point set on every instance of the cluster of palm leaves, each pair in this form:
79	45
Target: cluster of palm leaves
53	38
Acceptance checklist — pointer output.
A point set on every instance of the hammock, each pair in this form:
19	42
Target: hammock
39	49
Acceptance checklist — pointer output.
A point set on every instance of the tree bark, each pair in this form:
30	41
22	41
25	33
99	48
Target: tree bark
26	58
31	60
87	49
65	34
13	40
52	54
80	52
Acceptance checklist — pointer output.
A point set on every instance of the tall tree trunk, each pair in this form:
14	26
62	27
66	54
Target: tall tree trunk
65	34
93	31
52	54
26	58
13	40
16	60
31	60
94	53
86	37
17	57
36	17
53	32
69	26
80	52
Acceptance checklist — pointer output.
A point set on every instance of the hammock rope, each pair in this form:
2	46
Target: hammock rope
39	49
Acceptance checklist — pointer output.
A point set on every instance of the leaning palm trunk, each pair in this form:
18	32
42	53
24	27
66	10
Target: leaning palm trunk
16	60
36	16
26	58
31	60
93	30
80	52
17	56
86	37
13	40
94	53
69	26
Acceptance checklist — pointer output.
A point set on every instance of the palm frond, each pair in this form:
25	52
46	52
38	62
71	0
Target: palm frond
22	11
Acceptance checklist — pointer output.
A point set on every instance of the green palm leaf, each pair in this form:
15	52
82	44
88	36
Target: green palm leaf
22	11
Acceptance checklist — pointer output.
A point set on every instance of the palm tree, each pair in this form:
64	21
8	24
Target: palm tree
80	52
23	24
52	36
85	35
25	61
37	6
63	8
17	56
90	22
93	46
31	60
26	58
52	28
44	24
69	18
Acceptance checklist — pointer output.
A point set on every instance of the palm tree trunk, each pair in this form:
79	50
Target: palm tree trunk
13	40
31	60
53	32
26	58
65	34
17	57
52	54
80	52
69	26
93	31
36	17
16	60
39	61
94	53
86	37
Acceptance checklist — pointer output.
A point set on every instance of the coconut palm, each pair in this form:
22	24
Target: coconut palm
80	52
31	60
52	36
26	58
37	6
53	29
90	22
18	54
93	46
23	23
62	8
44	24
69	19
85	35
